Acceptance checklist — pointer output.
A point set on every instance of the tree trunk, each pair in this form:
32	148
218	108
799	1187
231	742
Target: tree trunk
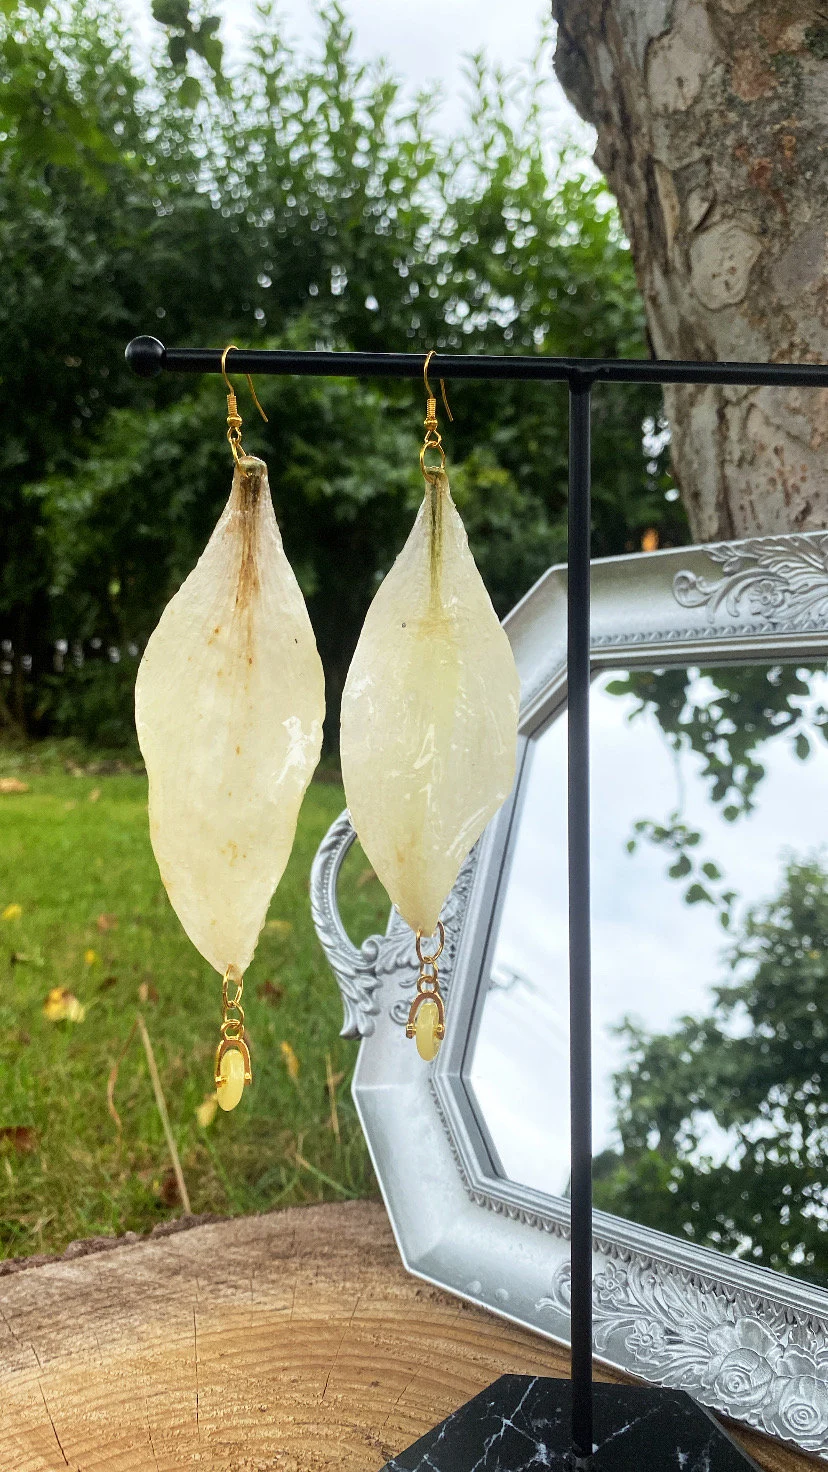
711	118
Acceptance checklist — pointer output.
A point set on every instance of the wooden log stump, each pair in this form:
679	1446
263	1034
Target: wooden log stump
290	1342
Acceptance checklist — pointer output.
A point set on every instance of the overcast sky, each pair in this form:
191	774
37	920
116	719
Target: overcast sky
425	45
653	955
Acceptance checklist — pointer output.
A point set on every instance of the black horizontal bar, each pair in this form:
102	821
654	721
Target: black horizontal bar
148	357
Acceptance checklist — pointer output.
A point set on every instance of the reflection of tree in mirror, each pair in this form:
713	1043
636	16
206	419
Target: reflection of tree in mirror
724	1121
702	874
725	715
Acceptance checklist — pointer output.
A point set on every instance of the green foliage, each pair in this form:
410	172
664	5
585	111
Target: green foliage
701	875
94	918
42	109
343	465
750	705
186	36
92	700
756	1067
725	715
295	201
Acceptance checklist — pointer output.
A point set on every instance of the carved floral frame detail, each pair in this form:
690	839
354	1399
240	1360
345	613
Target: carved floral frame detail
745	1341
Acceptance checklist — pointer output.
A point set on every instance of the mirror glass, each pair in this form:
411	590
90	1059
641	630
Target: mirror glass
710	962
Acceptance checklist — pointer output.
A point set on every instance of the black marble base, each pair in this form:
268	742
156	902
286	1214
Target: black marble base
521	1424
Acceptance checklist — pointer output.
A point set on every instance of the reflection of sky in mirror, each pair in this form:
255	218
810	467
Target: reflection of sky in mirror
654	956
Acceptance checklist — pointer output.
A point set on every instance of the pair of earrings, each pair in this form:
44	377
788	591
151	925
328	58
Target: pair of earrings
229	705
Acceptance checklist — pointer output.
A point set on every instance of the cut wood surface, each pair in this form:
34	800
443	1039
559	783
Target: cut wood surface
290	1341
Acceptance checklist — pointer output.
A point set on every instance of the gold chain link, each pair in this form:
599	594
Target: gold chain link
232	1027
428	984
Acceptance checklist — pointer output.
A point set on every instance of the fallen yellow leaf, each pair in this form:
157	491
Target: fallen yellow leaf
90	957
62	1006
291	1061
206	1111
279	927
12	912
94	794
12	784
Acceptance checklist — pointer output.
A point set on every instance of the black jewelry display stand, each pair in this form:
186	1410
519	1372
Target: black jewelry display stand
580	1425
523	1424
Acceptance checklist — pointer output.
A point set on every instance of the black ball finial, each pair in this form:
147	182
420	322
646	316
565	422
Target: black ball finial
145	356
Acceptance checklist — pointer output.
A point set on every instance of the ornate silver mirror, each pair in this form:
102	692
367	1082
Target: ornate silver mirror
710	914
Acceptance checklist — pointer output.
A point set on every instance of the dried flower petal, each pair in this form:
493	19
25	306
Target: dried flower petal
429	715
229	704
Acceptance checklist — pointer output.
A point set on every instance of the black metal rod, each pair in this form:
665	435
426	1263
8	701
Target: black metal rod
148	357
580	1002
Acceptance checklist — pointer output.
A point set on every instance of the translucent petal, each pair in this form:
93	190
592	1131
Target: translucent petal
429	715
229	704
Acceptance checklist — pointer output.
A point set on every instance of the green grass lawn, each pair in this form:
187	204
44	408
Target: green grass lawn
94	918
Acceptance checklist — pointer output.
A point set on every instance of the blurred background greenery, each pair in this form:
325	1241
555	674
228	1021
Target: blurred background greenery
290	200
296	200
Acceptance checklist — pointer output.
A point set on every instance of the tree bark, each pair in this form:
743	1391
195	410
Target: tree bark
711	118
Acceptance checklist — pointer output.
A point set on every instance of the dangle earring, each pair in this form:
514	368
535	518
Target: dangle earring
229	704
429	723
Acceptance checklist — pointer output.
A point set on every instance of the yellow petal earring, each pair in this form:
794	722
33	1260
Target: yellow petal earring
429	723
229	705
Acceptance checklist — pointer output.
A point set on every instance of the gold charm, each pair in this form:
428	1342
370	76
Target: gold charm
232	1070
427	1018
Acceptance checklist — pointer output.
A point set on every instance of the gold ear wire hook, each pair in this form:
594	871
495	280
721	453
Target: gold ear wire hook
432	439
231	348
254	398
429	355
234	419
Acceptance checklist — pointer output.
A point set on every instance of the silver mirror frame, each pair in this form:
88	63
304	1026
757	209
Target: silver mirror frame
746	1341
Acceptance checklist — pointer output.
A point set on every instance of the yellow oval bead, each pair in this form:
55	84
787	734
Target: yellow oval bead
231	1079
425	1030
